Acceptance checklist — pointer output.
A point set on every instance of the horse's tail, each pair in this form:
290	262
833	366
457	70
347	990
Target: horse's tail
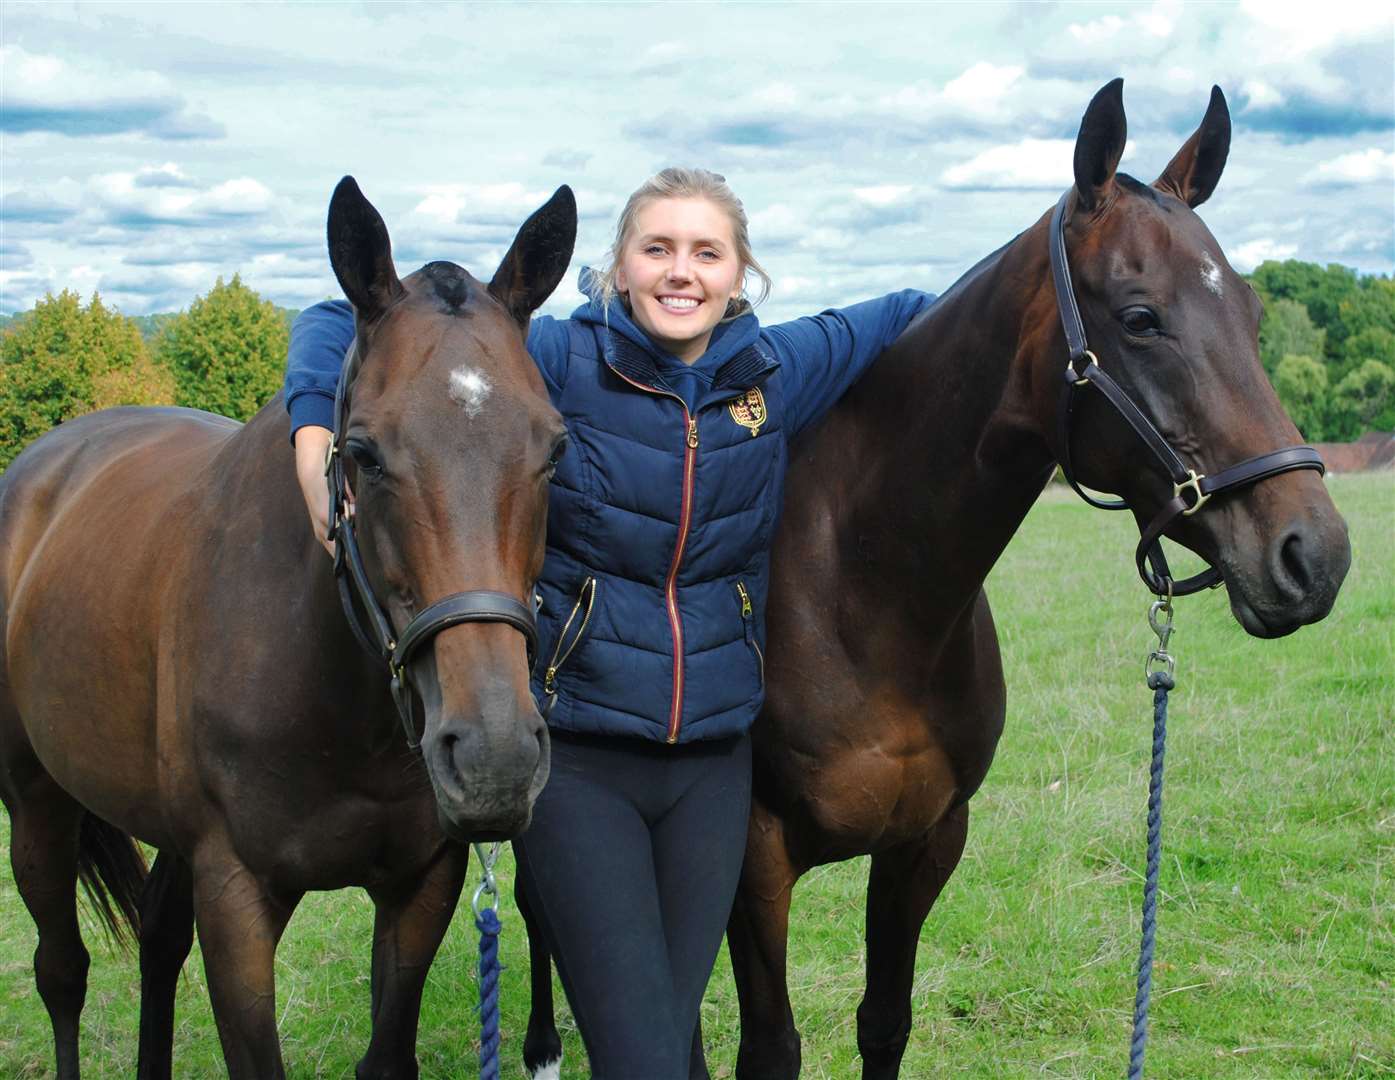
112	870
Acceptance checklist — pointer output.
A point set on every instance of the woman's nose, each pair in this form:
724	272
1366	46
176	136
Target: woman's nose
679	269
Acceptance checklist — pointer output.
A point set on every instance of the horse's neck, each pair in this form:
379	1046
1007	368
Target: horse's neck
265	535
952	426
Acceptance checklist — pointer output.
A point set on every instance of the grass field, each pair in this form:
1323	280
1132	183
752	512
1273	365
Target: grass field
1277	912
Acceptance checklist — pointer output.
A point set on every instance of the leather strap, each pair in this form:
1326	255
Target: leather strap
478	605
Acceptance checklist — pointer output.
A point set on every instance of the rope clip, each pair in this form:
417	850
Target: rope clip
1160	621
488	887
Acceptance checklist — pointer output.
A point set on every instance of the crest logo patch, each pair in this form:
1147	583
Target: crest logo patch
748	410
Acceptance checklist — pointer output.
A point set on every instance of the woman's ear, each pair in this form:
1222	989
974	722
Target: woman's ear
622	283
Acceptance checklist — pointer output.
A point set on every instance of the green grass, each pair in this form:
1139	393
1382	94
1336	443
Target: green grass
1277	915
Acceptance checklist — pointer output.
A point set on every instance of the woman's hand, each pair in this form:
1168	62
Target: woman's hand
311	446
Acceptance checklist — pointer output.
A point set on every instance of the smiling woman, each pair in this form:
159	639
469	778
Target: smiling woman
679	407
681	256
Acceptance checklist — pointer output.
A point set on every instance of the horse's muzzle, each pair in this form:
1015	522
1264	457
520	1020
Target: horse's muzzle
487	771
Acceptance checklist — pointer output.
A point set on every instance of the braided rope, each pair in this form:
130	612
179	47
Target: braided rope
487	923
1160	682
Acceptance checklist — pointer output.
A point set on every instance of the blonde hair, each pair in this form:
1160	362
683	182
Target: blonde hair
677	182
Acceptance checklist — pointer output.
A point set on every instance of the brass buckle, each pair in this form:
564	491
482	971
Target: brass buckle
1193	481
1080	380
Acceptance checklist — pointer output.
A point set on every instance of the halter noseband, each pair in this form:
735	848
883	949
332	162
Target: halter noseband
355	592
1190	490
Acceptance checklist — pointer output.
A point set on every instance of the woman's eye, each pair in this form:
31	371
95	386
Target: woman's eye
654	249
708	256
1139	320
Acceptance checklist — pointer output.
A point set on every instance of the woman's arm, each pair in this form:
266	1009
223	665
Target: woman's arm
823	355
320	337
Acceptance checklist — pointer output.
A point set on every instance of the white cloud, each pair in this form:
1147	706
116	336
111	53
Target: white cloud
45	93
1295	27
1260	94
1031	163
125	198
1358	167
452	204
1100	30
882	194
1245	257
981	85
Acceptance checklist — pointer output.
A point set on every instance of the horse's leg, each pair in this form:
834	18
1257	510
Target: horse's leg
904	883
757	938
542	1045
166	935
409	924
239	927
45	824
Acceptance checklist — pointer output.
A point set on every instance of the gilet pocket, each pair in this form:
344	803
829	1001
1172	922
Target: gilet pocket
748	623
585	601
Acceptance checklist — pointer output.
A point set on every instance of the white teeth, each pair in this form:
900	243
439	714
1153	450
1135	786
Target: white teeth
678	301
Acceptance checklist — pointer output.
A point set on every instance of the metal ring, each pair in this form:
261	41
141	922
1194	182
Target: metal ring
1159	657
1076	378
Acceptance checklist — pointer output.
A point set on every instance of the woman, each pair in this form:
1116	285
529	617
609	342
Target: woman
679	408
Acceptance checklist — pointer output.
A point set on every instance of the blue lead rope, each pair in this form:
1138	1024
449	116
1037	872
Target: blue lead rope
487	923
1160	682
484	903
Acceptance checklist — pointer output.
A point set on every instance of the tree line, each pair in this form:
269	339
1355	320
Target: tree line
1327	342
225	354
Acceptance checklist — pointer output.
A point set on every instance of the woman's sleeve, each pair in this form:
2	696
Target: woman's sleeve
548	345
821	356
320	336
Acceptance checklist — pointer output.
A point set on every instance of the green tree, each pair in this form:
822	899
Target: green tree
63	360
1361	396
227	352
1319	289
1287	330
1301	383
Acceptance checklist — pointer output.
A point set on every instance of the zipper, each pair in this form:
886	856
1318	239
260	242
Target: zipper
587	596
748	621
675	620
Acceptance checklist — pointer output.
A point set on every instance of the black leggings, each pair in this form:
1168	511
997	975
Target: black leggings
631	864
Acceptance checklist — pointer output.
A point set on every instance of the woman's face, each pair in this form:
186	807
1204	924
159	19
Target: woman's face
679	270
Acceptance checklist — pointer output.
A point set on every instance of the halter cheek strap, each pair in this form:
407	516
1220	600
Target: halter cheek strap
1190	489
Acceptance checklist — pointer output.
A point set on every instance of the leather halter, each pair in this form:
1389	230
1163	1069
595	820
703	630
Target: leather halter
355	592
1190	489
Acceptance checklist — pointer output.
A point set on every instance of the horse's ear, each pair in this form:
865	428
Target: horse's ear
1193	173
1100	145
539	256
361	252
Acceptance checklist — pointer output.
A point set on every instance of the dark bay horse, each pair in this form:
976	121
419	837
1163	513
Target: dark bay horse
885	695
177	666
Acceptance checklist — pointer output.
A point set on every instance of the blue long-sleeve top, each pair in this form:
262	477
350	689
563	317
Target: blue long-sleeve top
672	650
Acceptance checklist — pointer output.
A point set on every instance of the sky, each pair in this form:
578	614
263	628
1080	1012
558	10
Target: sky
147	149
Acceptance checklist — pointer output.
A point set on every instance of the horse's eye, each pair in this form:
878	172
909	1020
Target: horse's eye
366	458
558	450
1139	321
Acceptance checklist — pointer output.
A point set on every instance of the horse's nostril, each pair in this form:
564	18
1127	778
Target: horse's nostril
1294	565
